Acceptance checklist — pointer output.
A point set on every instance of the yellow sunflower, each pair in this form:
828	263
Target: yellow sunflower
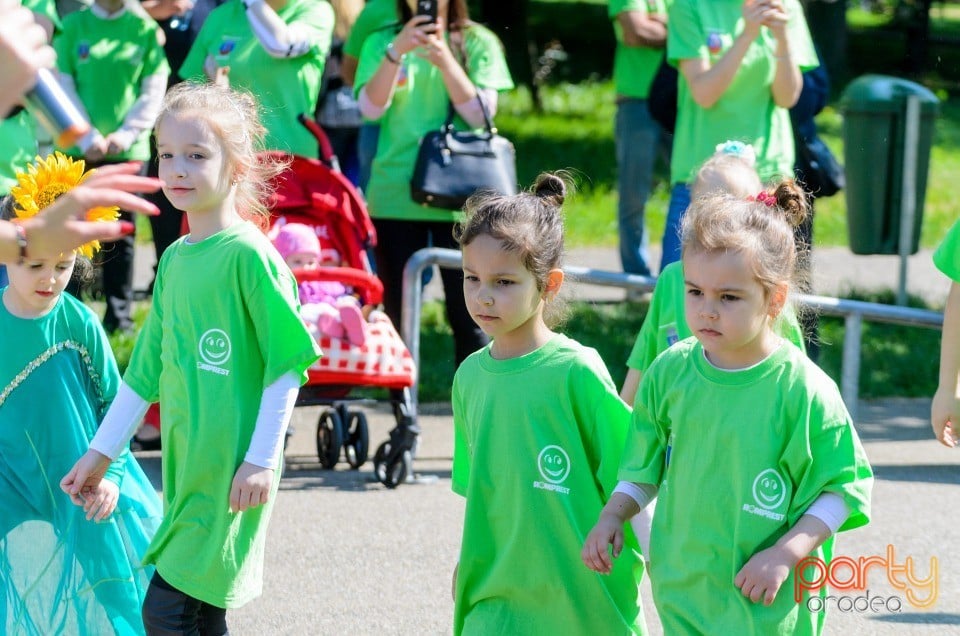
45	180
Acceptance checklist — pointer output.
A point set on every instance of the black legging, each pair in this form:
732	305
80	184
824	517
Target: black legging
169	612
396	242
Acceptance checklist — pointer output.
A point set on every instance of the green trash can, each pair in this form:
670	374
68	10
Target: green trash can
874	111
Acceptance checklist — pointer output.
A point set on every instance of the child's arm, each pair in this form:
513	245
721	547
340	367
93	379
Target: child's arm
626	501
944	412
765	571
118	426
628	393
141	115
280	39
254	477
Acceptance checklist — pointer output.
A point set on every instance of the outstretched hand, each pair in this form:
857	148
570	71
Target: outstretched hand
23	51
251	487
60	227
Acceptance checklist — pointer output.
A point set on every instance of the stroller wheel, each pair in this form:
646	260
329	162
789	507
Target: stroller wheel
392	469
357	444
329	438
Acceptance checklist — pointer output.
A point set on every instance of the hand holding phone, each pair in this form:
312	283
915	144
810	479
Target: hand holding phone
427	8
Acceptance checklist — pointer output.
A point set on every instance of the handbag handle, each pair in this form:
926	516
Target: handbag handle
447	127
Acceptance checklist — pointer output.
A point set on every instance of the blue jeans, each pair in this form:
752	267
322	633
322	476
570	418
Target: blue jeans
679	202
367	139
639	139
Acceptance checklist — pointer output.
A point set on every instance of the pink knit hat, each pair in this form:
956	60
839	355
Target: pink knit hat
294	238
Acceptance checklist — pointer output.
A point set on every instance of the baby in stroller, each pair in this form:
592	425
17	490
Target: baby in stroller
329	308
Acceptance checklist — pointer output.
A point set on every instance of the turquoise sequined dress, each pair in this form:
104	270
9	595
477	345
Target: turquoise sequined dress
59	573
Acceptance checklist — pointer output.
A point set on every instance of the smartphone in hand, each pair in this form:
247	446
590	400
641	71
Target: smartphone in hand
427	8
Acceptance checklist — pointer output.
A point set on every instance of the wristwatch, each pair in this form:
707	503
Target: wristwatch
391	54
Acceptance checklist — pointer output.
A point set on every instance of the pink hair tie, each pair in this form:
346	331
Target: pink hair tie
766	198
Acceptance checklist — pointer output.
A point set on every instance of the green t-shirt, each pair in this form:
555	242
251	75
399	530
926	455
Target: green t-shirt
537	443
634	66
420	103
665	323
108	60
947	256
737	464
376	14
210	345
285	87
18	138
746	112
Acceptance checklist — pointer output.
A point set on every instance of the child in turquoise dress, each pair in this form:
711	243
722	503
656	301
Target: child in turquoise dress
539	430
64	571
745	442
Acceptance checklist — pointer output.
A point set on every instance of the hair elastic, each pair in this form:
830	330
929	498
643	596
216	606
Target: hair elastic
765	198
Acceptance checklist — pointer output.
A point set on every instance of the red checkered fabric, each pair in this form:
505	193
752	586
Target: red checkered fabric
383	360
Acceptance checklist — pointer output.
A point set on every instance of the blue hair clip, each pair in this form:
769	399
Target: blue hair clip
737	149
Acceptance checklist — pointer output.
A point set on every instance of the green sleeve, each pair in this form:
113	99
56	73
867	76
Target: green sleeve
486	63
684	37
788	326
460	474
376	14
616	7
801	43
284	341
947	255
143	372
609	424
155	59
646	451
370	57
645	348
63	45
829	458
192	67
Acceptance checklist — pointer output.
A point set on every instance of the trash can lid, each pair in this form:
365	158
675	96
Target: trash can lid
884	94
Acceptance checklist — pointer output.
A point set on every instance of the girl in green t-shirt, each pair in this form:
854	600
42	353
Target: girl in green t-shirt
539	430
224	352
744	441
945	408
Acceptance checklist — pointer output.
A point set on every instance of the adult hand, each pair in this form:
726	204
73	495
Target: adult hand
436	51
415	33
754	14
61	227
775	19
23	51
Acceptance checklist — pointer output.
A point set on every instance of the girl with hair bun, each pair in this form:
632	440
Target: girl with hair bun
539	430
745	442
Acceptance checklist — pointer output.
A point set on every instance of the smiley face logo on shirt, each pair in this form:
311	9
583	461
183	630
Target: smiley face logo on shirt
215	347
769	489
554	464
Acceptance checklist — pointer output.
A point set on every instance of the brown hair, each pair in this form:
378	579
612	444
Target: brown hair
529	224
458	16
762	229
725	172
234	118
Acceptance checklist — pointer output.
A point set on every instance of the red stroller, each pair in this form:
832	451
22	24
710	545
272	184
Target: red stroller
314	193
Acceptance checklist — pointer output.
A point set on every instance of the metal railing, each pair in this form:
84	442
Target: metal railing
853	311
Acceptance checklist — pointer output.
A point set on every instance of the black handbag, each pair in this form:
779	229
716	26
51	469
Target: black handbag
452	165
818	169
